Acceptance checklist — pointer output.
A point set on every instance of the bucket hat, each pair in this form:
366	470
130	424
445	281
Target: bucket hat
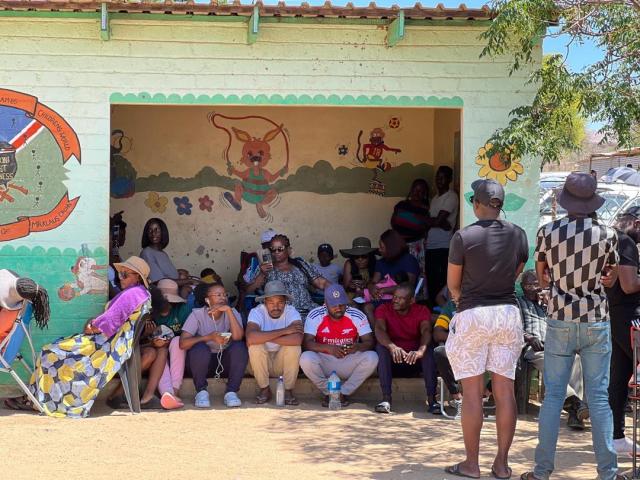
579	194
274	288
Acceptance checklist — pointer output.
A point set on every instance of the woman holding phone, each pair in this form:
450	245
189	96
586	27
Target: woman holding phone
359	266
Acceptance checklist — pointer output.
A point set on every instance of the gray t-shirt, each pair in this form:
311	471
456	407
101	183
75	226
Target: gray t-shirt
200	323
489	251
160	264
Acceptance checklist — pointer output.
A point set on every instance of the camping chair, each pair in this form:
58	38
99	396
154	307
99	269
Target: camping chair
10	350
131	372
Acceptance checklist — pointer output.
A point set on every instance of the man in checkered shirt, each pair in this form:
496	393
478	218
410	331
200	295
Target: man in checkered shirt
577	256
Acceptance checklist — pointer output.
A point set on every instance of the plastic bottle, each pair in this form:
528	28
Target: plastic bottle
280	392
334	385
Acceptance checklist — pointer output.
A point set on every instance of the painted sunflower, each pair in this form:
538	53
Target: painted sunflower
500	166
156	203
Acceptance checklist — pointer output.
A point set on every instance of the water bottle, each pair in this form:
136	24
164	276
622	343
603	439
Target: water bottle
280	392
334	385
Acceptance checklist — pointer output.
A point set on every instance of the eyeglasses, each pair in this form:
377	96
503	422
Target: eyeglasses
218	295
122	275
277	249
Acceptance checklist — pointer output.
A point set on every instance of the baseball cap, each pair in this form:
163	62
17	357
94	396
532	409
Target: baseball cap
488	192
335	295
325	247
632	212
267	235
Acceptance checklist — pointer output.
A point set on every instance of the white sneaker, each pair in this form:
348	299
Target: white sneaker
232	400
624	446
202	399
457	404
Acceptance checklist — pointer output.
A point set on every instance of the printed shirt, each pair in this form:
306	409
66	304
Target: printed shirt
446	314
534	317
345	331
576	250
176	317
297	284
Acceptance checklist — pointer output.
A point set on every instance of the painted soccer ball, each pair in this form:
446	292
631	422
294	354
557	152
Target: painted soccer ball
66	292
394	122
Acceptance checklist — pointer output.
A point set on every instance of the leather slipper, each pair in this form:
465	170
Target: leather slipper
153	404
495	475
455	470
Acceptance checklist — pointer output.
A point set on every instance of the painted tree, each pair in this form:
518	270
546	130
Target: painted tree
607	90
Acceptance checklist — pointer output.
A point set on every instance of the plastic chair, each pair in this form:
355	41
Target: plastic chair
131	372
10	350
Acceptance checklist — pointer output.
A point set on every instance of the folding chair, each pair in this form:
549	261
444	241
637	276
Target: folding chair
10	350
131	372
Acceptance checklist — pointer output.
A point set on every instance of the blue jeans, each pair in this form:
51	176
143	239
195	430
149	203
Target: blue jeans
592	341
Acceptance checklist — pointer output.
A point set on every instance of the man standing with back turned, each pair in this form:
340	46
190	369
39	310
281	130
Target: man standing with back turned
486	333
577	256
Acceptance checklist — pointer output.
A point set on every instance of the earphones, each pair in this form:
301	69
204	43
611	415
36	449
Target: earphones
206	300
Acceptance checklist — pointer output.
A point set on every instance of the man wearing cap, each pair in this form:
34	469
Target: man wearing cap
338	338
274	337
403	331
577	256
485	259
624	308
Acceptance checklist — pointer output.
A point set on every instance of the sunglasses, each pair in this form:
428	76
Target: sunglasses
362	257
123	275
277	249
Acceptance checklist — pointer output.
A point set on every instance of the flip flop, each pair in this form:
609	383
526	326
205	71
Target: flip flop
495	475
153	404
455	470
170	402
261	398
291	400
19	404
228	196
525	476
383	407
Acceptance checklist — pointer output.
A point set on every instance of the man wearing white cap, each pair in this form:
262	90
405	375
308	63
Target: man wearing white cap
338	338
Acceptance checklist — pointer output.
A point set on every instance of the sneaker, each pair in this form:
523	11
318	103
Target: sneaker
232	400
624	446
457	404
583	411
202	399
434	408
573	422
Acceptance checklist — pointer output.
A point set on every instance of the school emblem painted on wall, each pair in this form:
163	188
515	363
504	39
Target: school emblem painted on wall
35	144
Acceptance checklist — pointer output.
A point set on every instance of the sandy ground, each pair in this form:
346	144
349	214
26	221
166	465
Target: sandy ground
252	442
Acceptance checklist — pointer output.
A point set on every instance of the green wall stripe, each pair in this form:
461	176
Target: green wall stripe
347	100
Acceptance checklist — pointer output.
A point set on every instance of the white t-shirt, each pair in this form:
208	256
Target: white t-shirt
448	201
260	316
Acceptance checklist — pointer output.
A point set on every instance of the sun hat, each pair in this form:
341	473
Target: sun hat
359	246
335	295
488	192
163	332
10	299
267	235
579	194
170	290
136	264
274	288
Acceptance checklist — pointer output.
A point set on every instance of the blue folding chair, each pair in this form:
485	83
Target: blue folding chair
10	350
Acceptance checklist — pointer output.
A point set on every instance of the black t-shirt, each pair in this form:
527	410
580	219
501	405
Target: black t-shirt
489	251
628	253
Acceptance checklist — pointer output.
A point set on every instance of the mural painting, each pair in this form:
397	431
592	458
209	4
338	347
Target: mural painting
256	181
35	144
90	278
123	175
372	155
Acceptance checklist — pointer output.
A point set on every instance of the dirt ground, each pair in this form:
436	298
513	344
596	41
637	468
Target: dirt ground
307	442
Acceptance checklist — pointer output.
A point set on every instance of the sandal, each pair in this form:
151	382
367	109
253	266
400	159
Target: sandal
455	470
22	404
291	400
495	475
170	402
528	476
153	404
263	397
117	403
383	407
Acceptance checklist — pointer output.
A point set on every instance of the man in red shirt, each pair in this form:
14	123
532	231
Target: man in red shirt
337	338
403	330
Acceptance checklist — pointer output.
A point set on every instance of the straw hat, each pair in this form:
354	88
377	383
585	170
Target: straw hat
136	264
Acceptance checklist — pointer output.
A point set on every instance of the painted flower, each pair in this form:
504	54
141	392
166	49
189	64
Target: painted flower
205	203
183	205
156	203
500	166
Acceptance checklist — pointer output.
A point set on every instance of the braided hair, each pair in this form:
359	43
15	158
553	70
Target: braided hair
39	298
296	262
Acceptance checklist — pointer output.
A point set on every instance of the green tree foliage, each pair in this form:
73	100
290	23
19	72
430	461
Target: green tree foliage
607	91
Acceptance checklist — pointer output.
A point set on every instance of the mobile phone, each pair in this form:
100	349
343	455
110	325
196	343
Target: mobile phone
357	277
226	334
265	256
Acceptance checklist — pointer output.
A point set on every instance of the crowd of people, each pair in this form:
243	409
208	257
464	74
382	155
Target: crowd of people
429	300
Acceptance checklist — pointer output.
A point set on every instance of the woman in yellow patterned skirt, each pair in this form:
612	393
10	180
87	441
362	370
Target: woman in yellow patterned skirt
70	372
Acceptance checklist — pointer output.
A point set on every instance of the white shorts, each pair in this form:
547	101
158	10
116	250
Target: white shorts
485	339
